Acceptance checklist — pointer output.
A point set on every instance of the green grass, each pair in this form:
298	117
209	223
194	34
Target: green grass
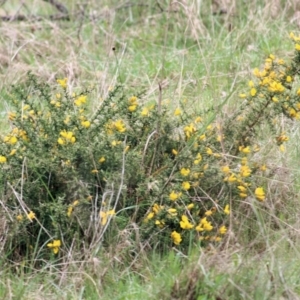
261	258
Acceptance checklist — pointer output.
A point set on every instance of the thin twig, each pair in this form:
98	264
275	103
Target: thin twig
21	17
60	7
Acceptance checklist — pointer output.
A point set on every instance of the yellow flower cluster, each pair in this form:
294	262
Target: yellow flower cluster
3	159
71	208
66	137
132	104
55	245
79	101
260	194
174	196
184	223
176	237
62	82
119	126
105	216
204	225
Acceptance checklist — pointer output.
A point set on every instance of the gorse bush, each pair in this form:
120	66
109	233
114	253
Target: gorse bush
71	177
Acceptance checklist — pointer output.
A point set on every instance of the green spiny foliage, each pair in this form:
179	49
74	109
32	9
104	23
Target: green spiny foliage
69	174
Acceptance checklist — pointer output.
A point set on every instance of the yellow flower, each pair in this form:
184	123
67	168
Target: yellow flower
282	138
3	159
202	137
292	35
189	130
263	168
120	126
174	196
199	228
19	218
172	211
244	161
133	100
156	208
86	124
198	159
245	150
145	112
70	210
256	148
253	92
62	82
281	148
68	137
160	223
204	225
190	206
275	86
149	216
208	213
225	169
242	188
198	120
260	194
209	151
101	159
185	172
26	107
31	215
60	141
55	245
297	47
186	185
292	112
174	152
80	100
245	171
184	223
223	229
12	116
242	96
111	212
12	140
232	178
176	237
289	79
227	209
132	108
207	226
177	112
105	215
